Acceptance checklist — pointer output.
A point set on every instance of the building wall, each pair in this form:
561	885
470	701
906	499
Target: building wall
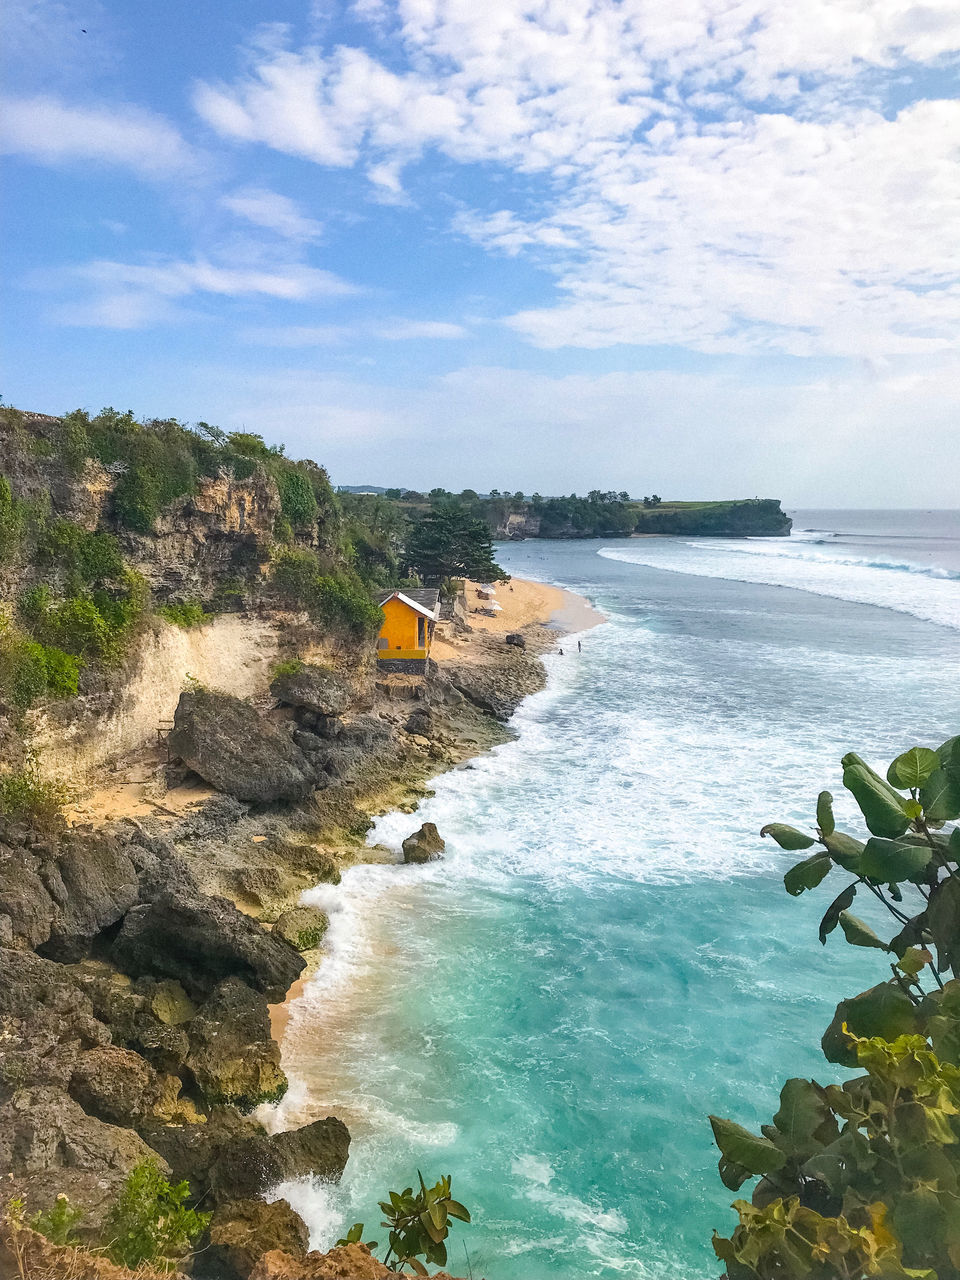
400	631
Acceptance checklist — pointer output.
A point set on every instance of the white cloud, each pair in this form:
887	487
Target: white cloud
404	330
125	295
273	211
684	435
726	175
326	335
50	131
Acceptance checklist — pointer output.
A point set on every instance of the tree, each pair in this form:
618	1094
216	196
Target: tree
863	1179
450	543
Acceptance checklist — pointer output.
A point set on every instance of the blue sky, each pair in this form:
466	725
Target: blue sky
708	249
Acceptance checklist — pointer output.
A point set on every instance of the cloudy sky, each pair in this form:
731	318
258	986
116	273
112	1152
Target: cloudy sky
707	247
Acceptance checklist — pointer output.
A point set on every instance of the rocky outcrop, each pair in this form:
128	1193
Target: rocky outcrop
499	687
60	893
241	1231
52	1145
229	745
120	1087
303	927
346	1262
27	1255
200	941
232	1055
314	688
425	845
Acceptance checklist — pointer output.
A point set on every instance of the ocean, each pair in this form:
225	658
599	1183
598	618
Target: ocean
607	953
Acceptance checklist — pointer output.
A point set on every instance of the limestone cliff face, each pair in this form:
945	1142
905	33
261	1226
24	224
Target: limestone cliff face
218	536
518	525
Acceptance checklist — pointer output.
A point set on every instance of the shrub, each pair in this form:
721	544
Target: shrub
297	499
292	667
93	624
75	444
296	573
63	671
150	1224
418	1225
93	557
342	603
862	1180
58	1224
11	520
23	671
25	794
188	614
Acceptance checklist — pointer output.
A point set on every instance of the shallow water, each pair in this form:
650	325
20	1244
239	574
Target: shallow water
607	954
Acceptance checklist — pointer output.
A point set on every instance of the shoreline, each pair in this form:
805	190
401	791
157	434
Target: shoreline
556	612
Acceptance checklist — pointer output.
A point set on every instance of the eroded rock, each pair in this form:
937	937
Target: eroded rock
238	751
317	689
425	845
303	927
241	1231
200	941
232	1055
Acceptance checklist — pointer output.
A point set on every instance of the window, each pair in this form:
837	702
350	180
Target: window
421	634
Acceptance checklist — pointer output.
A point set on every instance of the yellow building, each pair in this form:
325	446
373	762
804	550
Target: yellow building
409	619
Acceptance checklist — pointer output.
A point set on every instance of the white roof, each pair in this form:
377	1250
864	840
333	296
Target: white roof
427	613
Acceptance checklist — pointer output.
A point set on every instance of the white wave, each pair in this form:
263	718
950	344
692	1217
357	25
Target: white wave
924	592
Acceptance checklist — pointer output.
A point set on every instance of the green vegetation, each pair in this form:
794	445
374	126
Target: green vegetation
336	600
150	1223
863	1179
29	669
449	543
90	624
186	615
27	796
418	1225
292	667
59	1223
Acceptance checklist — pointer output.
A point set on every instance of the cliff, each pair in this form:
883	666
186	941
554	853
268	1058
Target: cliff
751	517
193	732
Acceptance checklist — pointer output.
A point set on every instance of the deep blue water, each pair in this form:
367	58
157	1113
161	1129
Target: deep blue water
607	952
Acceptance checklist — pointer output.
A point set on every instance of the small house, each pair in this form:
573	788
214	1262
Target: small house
409	619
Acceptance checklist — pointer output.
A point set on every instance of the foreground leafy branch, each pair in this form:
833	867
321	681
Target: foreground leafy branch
864	1179
418	1223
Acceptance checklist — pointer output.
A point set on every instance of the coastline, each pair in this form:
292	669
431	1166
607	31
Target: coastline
542	613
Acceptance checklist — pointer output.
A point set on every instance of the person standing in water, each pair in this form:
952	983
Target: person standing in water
579	647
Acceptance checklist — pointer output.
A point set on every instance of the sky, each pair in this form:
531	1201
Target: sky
706	248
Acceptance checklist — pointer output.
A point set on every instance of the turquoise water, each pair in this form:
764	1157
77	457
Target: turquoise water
607	953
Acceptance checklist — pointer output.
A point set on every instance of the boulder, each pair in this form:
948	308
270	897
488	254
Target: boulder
232	1056
51	1146
303	927
145	1015
425	845
242	1230
192	1150
46	1022
115	1085
345	1262
420	722
200	941
238	751
516	639
59	895
246	1167
316	689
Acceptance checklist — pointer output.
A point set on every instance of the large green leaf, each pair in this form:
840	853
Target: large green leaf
859	934
884	1011
943	921
804	1120
844	850
913	768
741	1147
787	837
949	752
825	821
881	806
941	795
887	861
831	917
806	874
